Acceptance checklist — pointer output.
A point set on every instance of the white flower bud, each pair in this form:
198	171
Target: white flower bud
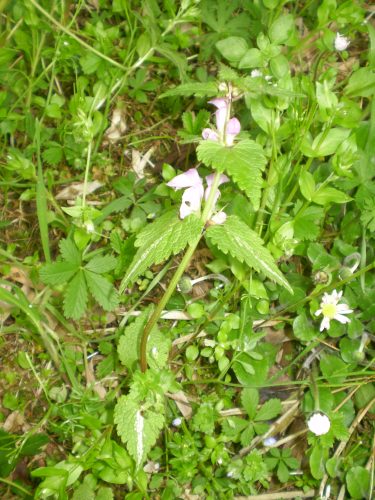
341	42
318	423
177	422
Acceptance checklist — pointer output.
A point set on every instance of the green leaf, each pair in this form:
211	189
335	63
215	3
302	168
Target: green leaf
197	89
326	144
167	236
138	428
282	472
307	185
303	329
102	290
281	29
70	252
361	83
325	195
232	48
101	264
358	481
158	345
269	410
250	401
247	435
317	460
244	162
305	224
75	297
237	239
57	273
252	58
333	368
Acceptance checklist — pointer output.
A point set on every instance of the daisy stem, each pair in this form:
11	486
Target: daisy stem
206	214
314	387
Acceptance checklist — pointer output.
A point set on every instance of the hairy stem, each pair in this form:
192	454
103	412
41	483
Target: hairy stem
206	214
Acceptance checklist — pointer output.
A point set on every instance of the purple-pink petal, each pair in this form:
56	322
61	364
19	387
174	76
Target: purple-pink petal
191	200
208	133
188	179
219	102
233	127
210	179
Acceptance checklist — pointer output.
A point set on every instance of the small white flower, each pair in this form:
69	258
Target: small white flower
255	73
270	441
219	218
89	225
176	422
219	461
331	309
341	42
230	473
318	423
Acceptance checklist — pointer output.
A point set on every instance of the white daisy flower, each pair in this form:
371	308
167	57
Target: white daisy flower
331	309
318	423
341	42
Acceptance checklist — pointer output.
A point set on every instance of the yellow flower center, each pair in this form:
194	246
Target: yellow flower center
329	310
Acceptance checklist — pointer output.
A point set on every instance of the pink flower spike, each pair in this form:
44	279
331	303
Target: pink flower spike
219	102
221	118
191	200
188	179
207	133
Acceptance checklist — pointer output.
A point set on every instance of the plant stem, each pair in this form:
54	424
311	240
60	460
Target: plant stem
206	214
85	181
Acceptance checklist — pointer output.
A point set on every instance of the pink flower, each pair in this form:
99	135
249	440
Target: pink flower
193	195
223	128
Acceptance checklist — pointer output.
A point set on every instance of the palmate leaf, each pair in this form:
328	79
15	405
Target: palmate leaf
270	409
237	239
167	236
244	163
75	297
57	273
102	264
102	290
70	252
138	429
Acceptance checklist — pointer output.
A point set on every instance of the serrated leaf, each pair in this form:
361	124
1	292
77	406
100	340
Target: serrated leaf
237	239
269	410
250	401
158	345
102	290
247	435
167	236
138	429
57	273
101	264
197	89
75	297
70	252
243	162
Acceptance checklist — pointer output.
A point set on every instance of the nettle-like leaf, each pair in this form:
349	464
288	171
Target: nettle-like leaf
167	236
138	428
158	345
244	163
237	239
